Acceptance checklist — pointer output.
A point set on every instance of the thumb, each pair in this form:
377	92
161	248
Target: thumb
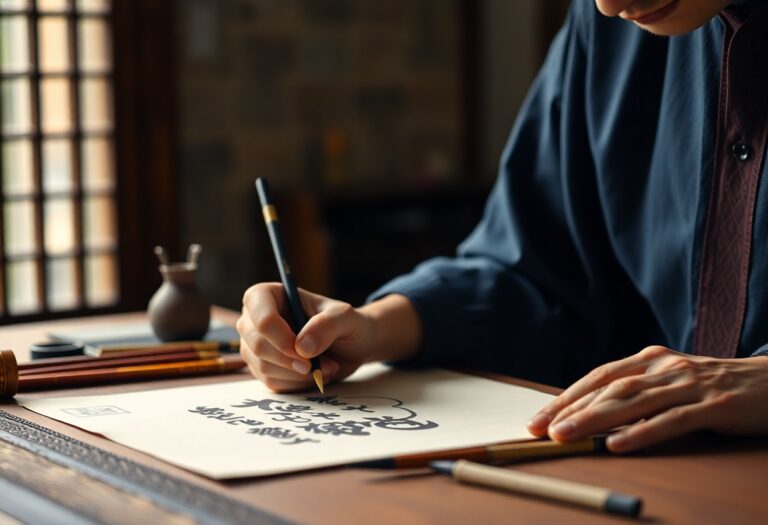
322	329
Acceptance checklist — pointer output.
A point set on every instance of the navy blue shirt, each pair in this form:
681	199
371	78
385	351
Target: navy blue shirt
590	245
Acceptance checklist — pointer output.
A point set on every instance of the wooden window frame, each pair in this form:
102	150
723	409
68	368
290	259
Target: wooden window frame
143	141
146	140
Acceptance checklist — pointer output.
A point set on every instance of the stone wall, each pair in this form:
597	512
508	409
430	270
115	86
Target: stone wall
331	97
317	95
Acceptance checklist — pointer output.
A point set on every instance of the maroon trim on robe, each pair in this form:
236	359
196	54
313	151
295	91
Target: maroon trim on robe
740	147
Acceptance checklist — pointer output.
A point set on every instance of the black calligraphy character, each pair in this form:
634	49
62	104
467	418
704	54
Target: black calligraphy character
263	404
226	416
325	400
361	408
324	415
294	408
338	428
299	441
287	416
275	432
402	423
313	428
216	413
206	411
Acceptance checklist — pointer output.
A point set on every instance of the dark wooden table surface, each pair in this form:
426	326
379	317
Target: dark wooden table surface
701	479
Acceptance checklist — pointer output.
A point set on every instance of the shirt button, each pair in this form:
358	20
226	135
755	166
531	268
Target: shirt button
741	151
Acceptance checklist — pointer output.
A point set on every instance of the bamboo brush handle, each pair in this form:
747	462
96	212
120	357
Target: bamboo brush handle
9	374
120	374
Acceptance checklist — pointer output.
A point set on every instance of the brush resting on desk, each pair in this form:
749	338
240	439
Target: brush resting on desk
11	382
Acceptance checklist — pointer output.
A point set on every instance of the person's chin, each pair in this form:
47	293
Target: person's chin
674	25
666	29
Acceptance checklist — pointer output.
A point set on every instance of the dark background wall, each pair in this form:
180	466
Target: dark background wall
378	123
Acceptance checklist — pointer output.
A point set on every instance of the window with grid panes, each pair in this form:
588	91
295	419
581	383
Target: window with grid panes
58	232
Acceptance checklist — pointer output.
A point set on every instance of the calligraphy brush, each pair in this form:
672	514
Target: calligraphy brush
291	291
116	360
491	453
598	498
103	358
128	373
11	382
177	346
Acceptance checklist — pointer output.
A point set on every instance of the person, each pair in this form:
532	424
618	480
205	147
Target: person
622	246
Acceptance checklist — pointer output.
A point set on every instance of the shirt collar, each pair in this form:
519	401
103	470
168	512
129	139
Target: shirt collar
738	11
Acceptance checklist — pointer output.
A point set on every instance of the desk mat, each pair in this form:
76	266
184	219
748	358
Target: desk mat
165	491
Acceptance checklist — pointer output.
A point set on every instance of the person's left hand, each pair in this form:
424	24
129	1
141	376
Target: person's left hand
660	394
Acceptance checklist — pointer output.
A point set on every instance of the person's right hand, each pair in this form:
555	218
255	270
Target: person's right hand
342	334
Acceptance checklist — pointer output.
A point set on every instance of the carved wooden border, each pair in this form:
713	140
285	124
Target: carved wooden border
176	495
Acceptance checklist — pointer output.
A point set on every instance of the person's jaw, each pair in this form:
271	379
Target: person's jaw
663	17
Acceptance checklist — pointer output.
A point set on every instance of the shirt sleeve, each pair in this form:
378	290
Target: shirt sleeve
529	292
763	350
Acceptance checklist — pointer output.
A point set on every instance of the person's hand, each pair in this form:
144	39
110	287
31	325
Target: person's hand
279	358
660	394
341	336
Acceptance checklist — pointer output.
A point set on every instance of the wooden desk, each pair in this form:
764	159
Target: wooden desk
703	479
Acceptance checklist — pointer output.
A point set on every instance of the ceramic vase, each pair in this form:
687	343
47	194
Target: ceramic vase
179	311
